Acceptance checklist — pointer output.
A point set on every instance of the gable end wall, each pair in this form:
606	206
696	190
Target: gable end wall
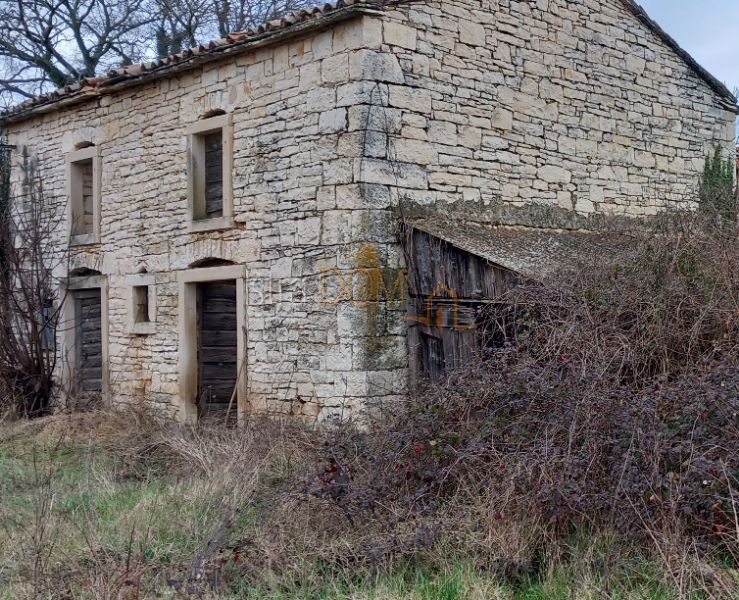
542	112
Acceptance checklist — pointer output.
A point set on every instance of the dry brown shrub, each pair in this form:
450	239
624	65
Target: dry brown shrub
614	408
668	305
613	414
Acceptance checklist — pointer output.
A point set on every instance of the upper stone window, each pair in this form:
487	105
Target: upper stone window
210	144
83	181
141	313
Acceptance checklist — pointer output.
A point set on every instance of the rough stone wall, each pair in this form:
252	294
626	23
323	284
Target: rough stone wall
541	112
298	213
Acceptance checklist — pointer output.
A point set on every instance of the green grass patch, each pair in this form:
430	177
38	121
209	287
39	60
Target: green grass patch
84	516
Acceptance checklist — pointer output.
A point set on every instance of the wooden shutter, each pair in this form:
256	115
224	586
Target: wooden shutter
213	174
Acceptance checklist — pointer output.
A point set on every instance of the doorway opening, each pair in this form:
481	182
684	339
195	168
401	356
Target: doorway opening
212	342
217	331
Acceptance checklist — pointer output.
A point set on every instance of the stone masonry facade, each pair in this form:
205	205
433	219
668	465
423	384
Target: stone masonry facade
548	113
575	107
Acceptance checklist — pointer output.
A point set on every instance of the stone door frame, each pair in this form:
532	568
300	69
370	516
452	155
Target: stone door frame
187	333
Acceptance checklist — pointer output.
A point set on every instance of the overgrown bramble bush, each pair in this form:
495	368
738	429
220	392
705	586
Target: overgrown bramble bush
667	306
547	448
614	408
612	412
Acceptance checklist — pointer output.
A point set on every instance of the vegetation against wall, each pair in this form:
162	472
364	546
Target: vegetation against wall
595	455
29	300
718	187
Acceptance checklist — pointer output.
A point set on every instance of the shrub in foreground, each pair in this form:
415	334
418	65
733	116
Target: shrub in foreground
614	407
609	422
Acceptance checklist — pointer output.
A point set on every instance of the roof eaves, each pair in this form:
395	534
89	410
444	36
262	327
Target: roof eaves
278	30
273	31
194	58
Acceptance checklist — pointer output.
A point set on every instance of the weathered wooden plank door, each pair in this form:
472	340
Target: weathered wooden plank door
448	292
431	356
217	345
89	340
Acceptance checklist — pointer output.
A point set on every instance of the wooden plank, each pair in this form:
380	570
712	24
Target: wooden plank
220	289
216	392
217	342
210	338
85	171
433	358
218	321
449	288
220	306
437	264
218	371
93	373
219	354
91	385
91	346
214	174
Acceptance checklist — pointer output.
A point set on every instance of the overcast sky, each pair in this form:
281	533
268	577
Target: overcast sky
708	29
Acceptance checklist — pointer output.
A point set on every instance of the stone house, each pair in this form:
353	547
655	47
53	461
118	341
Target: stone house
231	212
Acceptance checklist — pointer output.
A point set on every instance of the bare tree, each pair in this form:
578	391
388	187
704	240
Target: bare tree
239	15
50	43
30	301
46	44
183	23
179	24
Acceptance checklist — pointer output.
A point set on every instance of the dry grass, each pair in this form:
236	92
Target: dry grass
595	457
119	505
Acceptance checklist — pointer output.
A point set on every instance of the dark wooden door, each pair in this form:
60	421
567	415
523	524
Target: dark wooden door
217	337
89	340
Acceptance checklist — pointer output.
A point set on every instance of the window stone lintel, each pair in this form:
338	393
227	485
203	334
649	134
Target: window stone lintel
211	124
83	154
141	279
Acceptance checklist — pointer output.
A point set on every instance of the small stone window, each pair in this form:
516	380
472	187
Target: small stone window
210	143
83	181
143	304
